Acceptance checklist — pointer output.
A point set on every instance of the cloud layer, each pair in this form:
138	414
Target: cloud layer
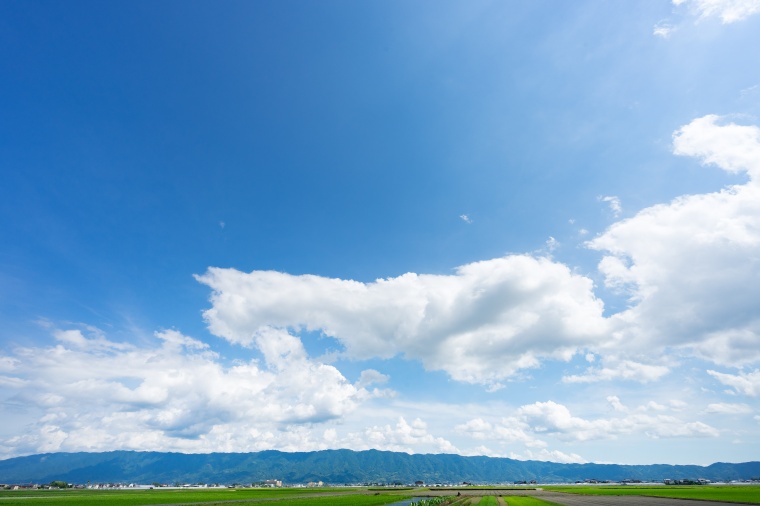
481	324
99	395
690	269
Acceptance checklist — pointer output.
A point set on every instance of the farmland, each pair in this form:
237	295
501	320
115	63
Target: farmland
528	501
282	497
728	493
481	496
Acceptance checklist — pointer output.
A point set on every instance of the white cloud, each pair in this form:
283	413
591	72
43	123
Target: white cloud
549	456
663	29
99	395
688	265
465	218
614	400
728	408
371	377
744	383
403	437
482	324
614	203
729	11
554	419
652	406
734	148
508	430
531	424
174	338
619	369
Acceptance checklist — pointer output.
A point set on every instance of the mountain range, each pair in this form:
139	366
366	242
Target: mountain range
335	467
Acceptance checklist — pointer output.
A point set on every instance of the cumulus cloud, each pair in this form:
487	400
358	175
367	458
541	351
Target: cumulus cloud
481	324
556	419
733	148
508	430
689	266
532	424
546	455
403	437
747	383
175	394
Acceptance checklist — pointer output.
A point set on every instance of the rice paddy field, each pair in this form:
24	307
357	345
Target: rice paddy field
527	501
726	493
125	497
550	495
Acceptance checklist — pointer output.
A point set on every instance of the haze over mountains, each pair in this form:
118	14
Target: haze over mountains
335	467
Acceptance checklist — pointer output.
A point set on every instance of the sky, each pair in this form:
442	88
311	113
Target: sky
514	229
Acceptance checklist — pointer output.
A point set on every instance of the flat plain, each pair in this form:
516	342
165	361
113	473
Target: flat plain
726	493
482	496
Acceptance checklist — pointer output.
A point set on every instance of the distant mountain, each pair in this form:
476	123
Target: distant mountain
335	467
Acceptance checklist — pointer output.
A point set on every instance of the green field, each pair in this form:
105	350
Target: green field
345	497
740	493
521	500
283	497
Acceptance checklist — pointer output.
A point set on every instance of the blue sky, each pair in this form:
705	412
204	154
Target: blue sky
522	229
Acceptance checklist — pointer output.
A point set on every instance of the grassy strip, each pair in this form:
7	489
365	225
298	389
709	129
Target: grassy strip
494	488
344	500
284	497
744	493
524	500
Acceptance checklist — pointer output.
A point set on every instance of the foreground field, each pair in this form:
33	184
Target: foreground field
568	496
727	493
282	497
528	501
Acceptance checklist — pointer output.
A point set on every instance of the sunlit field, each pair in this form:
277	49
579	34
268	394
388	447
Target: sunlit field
526	501
358	496
740	493
284	497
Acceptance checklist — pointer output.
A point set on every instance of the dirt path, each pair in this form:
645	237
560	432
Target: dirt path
618	500
564	499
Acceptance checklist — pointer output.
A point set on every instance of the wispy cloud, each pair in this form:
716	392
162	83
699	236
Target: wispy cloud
747	383
728	408
614	203
663	29
729	11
